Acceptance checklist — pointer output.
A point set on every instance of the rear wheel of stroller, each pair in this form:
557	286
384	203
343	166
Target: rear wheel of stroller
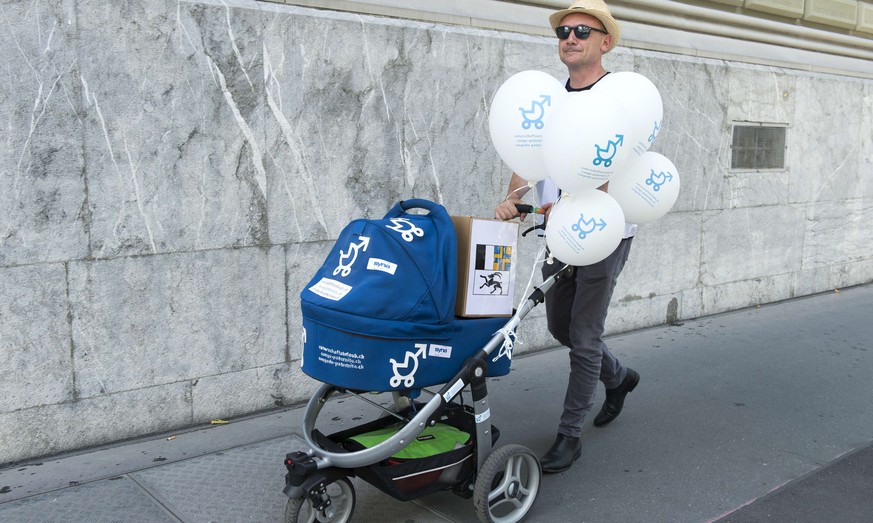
342	505
507	485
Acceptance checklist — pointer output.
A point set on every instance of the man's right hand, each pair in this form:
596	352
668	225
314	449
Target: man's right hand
506	210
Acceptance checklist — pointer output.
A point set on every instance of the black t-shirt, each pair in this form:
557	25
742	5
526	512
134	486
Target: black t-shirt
587	87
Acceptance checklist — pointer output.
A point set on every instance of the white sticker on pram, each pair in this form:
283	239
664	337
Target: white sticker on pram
439	351
331	289
375	264
484	416
453	391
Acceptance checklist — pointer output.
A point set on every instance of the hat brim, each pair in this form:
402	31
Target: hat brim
605	18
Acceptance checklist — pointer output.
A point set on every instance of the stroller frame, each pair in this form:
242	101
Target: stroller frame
310	472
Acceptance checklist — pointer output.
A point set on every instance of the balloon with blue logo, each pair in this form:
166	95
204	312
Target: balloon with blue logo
647	187
586	141
585	227
519	116
643	104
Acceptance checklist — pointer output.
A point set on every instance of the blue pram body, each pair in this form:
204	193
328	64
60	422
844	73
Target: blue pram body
379	313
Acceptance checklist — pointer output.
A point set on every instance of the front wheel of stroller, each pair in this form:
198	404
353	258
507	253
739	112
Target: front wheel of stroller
507	485
342	505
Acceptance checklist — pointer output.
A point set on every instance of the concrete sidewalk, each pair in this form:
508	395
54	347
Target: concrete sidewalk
760	415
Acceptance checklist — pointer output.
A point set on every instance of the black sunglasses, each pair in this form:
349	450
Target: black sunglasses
581	31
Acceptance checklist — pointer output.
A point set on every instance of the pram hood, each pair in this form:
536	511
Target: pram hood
402	268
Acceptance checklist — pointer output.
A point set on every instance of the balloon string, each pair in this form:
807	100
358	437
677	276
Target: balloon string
539	260
529	186
509	344
509	339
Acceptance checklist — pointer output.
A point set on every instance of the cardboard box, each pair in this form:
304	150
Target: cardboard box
487	254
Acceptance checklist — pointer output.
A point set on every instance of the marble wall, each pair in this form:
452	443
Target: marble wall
173	172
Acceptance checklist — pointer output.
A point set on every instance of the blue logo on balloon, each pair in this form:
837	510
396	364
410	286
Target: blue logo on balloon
534	115
606	154
655	132
656	180
585	227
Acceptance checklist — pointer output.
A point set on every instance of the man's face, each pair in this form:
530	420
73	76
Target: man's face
576	52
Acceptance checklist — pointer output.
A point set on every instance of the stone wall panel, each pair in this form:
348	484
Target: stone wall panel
748	244
665	256
174	141
42	189
837	232
825	163
36	366
865	144
747	293
145	321
232	394
51	429
761	94
693	132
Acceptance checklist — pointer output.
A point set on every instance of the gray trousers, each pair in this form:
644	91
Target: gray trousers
576	310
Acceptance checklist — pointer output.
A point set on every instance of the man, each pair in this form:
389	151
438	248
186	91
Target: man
576	306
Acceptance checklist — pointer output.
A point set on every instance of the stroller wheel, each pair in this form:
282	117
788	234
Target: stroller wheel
342	498
507	485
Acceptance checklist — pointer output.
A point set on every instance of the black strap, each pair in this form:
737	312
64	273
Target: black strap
535	227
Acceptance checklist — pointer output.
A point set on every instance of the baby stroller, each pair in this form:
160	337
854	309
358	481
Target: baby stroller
379	317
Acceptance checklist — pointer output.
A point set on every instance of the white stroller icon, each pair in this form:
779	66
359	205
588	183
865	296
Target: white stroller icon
408	379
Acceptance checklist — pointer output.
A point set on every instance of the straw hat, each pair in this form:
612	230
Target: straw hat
595	8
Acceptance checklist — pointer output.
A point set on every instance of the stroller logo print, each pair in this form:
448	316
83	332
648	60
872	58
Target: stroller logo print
659	179
534	115
410	359
349	257
655	131
606	154
406	228
585	227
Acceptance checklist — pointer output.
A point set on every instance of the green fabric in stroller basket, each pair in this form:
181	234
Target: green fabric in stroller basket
447	459
433	440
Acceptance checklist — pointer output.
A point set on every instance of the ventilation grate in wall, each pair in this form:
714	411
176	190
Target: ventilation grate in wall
758	146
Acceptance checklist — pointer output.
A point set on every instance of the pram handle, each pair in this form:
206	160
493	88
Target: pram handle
529	209
415	203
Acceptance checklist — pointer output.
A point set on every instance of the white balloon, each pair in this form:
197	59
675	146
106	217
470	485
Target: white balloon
585	142
646	188
584	228
519	116
641	99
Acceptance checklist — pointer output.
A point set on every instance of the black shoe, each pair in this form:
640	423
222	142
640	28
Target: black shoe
560	457
615	399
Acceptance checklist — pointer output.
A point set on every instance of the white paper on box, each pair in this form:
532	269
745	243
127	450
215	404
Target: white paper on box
491	278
